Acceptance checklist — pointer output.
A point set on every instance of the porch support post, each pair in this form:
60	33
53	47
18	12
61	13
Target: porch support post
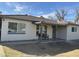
41	33
40	37
54	31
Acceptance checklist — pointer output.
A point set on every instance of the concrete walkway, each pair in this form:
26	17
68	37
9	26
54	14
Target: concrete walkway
32	41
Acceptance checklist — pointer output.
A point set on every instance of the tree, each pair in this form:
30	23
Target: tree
60	14
77	15
50	17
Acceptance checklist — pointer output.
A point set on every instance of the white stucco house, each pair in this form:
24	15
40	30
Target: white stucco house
27	27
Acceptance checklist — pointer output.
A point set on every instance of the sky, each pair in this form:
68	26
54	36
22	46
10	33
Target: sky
39	8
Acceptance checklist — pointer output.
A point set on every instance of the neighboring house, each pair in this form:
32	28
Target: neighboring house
27	27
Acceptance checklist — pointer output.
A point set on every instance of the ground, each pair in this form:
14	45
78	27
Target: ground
40	49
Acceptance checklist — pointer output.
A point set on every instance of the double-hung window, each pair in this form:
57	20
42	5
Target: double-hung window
16	28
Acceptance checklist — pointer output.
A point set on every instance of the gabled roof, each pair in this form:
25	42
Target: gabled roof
29	18
25	17
33	18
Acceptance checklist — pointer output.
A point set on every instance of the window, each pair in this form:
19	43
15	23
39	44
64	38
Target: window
16	28
74	29
12	27
45	29
21	28
37	28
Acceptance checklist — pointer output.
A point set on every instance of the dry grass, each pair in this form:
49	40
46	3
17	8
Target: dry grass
1	51
9	52
73	53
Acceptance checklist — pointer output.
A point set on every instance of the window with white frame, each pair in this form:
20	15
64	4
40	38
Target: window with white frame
14	28
74	29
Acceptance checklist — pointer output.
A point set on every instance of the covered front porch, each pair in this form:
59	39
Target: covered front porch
50	32
59	32
57	35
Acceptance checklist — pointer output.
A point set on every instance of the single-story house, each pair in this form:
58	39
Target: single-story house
27	27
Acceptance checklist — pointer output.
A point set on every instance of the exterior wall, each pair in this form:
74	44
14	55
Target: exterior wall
49	31
72	35
77	22
61	32
30	31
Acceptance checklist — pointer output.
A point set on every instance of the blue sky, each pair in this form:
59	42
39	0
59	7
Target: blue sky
38	8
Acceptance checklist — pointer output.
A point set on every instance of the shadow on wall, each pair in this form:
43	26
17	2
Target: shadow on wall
41	49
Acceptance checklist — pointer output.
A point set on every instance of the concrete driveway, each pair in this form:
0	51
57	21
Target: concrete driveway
43	49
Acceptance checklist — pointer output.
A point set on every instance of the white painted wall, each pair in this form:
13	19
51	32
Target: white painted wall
61	32
72	35
30	31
